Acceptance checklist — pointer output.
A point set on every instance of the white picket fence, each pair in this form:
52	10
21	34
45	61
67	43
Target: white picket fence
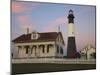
54	60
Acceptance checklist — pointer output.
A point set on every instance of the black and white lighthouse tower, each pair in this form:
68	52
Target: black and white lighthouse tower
71	45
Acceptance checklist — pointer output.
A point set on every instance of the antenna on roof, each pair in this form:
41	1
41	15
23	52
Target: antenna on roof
59	28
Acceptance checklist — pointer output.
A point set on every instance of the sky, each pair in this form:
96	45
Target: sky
47	17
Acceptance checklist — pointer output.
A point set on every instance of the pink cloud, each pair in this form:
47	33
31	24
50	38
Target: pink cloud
59	21
25	22
20	7
53	25
17	7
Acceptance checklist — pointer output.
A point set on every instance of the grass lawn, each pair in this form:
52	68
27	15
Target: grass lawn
42	67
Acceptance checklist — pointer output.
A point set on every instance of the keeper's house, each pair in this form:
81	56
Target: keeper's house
35	44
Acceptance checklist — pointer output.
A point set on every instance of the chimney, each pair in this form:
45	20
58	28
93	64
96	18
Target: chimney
59	28
27	30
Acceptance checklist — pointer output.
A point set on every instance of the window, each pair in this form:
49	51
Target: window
61	50
34	36
48	49
42	47
26	50
43	50
93	55
57	49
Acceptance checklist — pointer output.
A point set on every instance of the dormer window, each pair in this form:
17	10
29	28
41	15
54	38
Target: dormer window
34	35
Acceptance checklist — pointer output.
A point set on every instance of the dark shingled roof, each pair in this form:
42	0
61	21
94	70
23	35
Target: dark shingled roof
47	36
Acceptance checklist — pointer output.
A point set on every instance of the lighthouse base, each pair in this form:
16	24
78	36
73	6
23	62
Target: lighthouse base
71	48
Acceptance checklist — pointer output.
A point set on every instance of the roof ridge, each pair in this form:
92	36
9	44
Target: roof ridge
43	36
48	32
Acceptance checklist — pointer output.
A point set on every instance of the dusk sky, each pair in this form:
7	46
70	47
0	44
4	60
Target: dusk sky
46	17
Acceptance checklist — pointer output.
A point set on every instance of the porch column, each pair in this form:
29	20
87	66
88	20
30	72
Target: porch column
29	51
18	49
22	50
37	50
45	50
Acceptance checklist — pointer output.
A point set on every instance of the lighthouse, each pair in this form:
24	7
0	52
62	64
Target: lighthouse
71	45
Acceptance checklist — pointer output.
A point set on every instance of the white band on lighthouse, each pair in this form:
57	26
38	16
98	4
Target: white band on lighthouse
71	30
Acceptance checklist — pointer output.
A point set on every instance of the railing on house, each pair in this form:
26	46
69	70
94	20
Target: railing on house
54	60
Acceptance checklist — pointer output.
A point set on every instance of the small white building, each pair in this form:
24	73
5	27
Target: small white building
35	44
88	52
